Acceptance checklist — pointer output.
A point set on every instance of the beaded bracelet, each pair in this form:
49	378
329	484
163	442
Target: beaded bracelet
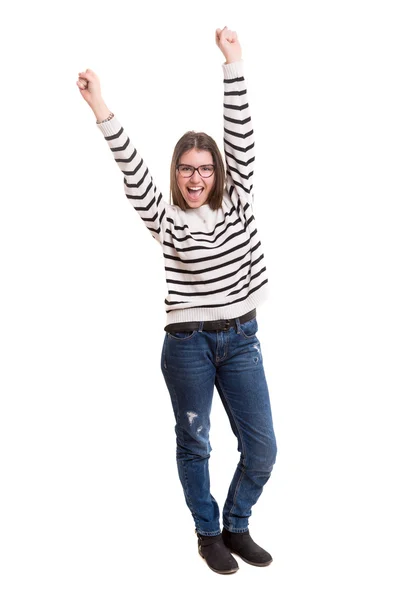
110	116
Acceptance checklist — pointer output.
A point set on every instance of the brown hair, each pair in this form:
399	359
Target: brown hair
200	141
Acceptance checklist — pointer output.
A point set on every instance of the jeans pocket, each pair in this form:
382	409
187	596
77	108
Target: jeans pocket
249	329
182	335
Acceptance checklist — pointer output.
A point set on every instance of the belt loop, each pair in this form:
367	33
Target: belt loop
200	329
237	323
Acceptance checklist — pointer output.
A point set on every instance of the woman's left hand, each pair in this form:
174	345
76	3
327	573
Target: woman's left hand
227	41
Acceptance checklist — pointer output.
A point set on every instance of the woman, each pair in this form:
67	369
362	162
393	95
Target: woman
216	278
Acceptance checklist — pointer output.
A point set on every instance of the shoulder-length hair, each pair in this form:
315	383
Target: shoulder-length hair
200	141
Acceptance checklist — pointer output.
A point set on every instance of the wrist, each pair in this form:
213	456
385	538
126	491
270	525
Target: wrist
100	110
232	59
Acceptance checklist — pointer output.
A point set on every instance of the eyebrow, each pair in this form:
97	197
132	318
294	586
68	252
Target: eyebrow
187	165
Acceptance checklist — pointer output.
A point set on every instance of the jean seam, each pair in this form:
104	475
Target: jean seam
243	453
225	346
188	495
164	353
208	533
233	417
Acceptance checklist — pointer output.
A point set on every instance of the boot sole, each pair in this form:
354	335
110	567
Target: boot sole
230	572
251	563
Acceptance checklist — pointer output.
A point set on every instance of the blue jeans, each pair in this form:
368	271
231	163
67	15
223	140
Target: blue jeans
192	363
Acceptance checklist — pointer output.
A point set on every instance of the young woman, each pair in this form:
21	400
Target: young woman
216	278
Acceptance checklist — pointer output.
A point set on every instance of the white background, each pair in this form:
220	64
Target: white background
91	505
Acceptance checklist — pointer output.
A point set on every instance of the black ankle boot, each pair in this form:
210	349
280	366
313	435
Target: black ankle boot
242	545
216	554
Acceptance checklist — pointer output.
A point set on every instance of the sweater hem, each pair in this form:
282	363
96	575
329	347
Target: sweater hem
222	312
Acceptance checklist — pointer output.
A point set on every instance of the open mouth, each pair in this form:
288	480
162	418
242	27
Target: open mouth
194	193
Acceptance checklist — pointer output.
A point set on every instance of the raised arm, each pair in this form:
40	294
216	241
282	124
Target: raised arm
138	183
238	131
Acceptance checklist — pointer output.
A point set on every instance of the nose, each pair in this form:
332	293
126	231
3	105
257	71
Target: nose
195	177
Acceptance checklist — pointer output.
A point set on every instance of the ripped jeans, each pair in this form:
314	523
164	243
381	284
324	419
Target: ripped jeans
192	363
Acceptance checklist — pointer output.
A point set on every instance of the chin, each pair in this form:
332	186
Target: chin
196	204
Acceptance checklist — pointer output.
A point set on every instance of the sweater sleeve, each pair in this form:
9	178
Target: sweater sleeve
138	183
238	135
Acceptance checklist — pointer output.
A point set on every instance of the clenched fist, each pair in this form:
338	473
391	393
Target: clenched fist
227	41
89	87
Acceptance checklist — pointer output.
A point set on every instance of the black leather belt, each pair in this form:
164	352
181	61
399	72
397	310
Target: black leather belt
221	325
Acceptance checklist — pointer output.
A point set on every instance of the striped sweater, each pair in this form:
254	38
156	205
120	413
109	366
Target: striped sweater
213	260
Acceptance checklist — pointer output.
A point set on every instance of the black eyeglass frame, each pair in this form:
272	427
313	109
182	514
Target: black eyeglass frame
195	169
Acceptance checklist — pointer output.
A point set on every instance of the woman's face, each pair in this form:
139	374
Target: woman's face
195	189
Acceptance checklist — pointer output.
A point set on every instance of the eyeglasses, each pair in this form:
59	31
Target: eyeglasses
188	170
